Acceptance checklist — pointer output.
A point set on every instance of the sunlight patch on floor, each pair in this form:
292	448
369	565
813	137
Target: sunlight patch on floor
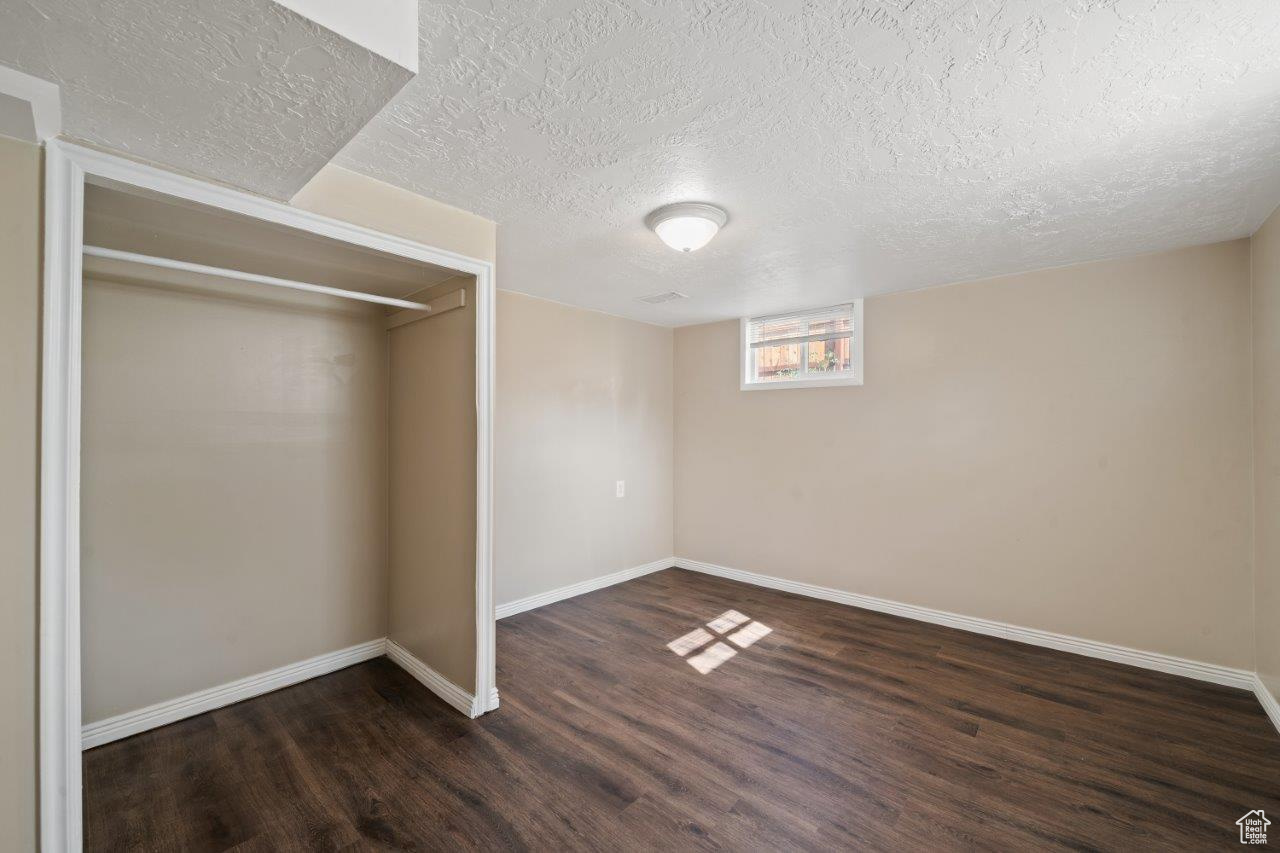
711	657
695	639
727	621
749	634
718	651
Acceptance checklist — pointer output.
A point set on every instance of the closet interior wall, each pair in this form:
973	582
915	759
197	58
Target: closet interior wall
237	462
433	487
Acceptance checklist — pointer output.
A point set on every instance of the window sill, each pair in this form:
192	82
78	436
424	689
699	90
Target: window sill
843	381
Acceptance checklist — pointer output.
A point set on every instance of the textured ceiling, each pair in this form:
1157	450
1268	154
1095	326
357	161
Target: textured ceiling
242	91
860	148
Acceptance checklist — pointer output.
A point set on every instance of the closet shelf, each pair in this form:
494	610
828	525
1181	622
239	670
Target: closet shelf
184	266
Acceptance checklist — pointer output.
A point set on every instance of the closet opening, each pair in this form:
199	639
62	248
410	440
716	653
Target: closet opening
268	460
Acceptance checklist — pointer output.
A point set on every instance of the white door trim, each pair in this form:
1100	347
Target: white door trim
67	168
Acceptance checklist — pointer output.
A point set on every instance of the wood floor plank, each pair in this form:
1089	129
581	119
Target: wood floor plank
836	729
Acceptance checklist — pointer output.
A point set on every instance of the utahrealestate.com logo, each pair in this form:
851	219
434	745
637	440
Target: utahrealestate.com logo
1253	827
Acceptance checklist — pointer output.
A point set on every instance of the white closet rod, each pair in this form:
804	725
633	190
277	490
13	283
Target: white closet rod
169	263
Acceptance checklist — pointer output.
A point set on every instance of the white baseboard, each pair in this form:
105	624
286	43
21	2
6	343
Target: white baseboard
1268	700
163	713
1089	648
451	693
511	608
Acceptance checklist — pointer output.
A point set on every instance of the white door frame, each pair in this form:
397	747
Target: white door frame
67	167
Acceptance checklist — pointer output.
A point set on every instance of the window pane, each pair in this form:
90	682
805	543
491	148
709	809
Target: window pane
836	324
781	329
811	344
780	362
829	356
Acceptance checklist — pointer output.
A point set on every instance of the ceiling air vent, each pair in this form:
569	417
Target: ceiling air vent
659	298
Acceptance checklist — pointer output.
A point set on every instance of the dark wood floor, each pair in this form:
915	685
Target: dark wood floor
840	728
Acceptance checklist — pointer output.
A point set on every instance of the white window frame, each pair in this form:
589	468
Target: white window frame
852	377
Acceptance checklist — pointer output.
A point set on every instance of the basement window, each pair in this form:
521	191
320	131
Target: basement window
803	349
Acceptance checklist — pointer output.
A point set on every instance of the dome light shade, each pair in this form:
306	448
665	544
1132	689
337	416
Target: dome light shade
687	226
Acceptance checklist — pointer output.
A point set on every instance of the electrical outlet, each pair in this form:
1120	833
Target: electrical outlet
622	488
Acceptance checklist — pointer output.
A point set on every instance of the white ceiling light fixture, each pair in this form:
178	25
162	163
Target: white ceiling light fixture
688	225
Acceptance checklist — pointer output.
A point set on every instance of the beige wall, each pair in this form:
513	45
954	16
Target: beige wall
19	427
352	197
1266	447
433	487
234	486
1067	450
583	400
